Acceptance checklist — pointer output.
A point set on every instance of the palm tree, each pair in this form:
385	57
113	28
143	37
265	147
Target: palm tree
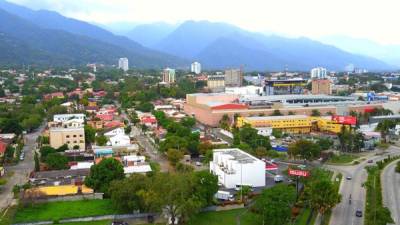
384	127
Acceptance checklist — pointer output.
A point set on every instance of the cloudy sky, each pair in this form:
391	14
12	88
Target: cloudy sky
376	20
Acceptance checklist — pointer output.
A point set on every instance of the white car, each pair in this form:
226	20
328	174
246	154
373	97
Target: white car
278	178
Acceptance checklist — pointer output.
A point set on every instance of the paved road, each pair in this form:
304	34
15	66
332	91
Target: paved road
344	213
151	151
391	194
148	146
20	171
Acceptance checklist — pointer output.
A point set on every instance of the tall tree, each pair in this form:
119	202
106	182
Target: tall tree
384	127
323	195
304	149
173	194
103	173
275	204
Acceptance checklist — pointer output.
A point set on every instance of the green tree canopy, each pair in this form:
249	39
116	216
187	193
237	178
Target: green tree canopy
103	173
275	204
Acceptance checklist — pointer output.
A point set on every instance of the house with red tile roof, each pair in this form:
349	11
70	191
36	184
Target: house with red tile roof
105	117
3	147
112	124
50	96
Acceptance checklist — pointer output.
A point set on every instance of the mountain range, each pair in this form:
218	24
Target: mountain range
53	39
48	38
387	53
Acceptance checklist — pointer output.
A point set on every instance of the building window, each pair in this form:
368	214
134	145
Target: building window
67	136
75	142
74	136
81	141
80	135
68	142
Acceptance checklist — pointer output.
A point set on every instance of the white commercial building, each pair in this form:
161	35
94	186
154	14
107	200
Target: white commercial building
123	64
246	90
235	167
318	73
195	68
59	118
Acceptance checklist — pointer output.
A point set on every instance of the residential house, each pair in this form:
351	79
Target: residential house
3	147
149	121
50	96
115	132
119	140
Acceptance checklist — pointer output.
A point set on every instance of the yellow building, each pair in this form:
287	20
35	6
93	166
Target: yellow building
299	124
290	124
61	190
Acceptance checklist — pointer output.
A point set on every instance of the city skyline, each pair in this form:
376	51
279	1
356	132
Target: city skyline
310	18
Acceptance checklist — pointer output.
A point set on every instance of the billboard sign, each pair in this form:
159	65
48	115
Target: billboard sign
347	120
300	173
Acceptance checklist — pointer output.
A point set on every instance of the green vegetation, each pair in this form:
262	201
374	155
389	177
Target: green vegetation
304	149
275	204
342	159
302	218
7	215
61	210
375	212
226	218
102	174
328	214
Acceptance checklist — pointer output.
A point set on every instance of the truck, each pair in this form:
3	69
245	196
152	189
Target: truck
224	195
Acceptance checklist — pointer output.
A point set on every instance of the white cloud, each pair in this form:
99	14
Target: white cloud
375	20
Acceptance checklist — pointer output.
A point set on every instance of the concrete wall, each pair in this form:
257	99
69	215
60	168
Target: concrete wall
70	198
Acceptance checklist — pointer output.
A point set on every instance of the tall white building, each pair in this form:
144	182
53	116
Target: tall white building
318	73
168	76
196	68
123	63
234	167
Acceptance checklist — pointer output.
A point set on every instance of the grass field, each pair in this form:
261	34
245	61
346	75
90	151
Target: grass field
62	210
225	218
342	159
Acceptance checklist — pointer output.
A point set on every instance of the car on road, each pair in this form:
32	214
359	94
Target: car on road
199	164
349	178
279	178
370	161
359	213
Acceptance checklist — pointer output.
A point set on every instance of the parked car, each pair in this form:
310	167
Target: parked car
370	161
349	178
118	222
199	164
359	213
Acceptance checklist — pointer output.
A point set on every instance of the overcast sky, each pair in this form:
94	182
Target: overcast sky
376	20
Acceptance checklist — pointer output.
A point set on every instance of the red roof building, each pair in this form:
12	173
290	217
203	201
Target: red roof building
105	117
229	106
113	124
3	147
53	95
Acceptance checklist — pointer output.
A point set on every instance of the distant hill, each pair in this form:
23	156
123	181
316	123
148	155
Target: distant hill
220	45
74	40
388	53
150	34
